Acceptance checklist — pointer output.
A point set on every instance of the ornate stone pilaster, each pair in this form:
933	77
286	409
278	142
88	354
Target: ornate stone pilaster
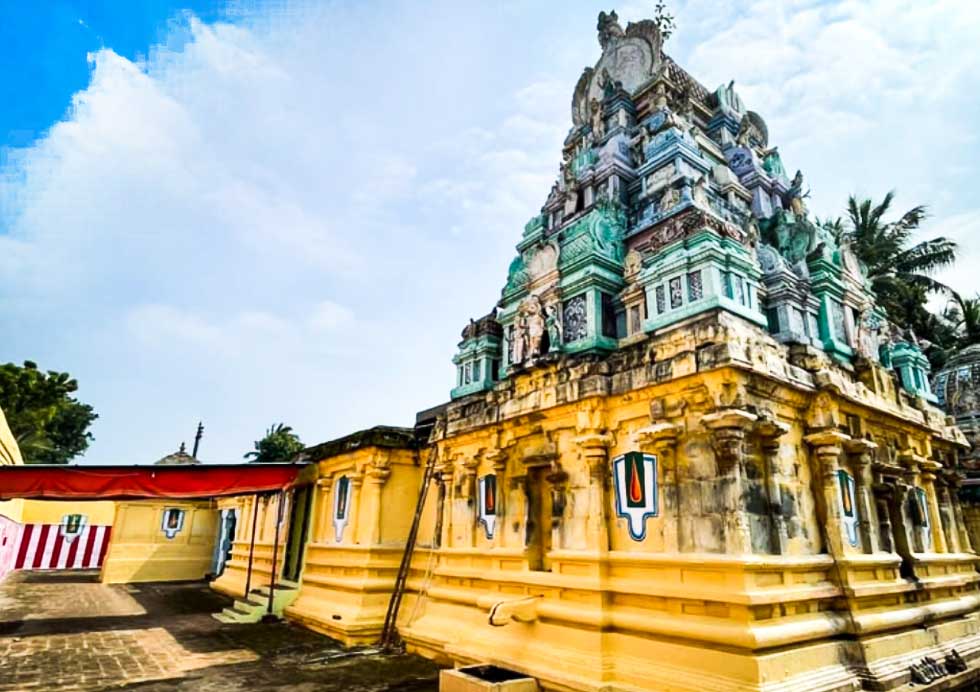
946	504
594	447
861	455
661	439
769	431
376	473
927	476
498	460
444	479
323	508
464	502
828	446
356	480
729	428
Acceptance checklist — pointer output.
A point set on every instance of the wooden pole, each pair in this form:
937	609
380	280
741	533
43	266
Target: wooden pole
251	547
275	551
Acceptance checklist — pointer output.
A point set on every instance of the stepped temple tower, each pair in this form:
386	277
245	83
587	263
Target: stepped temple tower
685	451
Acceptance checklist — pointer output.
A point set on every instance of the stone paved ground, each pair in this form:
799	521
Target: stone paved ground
65	631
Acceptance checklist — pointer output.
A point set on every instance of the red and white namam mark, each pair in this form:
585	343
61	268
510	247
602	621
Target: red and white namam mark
43	546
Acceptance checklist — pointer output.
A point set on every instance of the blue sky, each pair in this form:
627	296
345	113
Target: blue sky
265	212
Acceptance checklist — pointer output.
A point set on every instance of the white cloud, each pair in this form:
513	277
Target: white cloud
291	218
329	315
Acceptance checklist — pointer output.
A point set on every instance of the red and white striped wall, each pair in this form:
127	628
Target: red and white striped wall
44	546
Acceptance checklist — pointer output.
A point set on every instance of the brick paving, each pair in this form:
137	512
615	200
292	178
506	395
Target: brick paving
65	631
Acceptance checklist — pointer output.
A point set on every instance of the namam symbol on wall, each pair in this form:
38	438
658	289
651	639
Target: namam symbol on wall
635	475
845	486
173	522
72	526
341	507
487	503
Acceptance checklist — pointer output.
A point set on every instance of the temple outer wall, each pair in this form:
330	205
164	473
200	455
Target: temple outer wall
364	498
141	552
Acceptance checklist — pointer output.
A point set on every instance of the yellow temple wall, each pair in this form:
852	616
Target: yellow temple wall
98	513
235	576
140	552
347	578
702	601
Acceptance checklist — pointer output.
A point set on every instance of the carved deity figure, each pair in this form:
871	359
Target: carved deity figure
553	323
520	338
608	28
744	136
796	195
598	124
669	199
535	327
700	192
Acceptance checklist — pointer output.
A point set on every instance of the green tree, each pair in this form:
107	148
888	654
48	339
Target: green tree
965	316
48	422
899	271
279	444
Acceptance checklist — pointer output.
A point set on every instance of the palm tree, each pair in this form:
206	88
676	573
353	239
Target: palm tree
279	444
898	270
965	315
884	248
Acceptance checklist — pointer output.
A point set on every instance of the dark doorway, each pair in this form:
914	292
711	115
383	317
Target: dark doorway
299	526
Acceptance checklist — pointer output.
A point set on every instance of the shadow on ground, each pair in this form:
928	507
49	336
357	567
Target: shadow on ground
161	637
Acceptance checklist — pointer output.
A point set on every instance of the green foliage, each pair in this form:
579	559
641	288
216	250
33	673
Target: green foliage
898	270
48	422
279	444
664	20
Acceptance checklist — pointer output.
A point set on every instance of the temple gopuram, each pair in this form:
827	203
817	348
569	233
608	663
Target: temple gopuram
684	451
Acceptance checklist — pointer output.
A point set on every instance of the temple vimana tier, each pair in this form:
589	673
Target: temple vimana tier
685	450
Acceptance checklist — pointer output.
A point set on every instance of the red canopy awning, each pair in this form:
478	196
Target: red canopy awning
132	482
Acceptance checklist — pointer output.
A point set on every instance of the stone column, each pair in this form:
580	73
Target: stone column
498	459
860	453
356	479
661	439
444	489
728	430
466	502
769	431
324	507
946	503
376	473
594	448
927	476
827	448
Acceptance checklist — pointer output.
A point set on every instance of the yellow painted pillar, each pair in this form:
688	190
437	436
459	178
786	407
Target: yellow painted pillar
661	440
927	476
356	479
860	453
375	475
498	460
594	447
324	509
827	448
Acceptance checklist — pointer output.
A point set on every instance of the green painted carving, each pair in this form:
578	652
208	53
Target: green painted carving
598	233
773	164
516	275
583	160
535	226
